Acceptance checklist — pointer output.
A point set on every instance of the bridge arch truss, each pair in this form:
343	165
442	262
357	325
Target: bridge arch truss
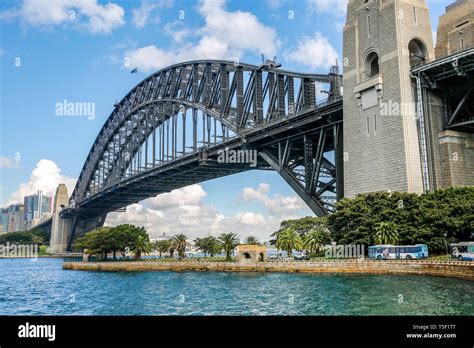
188	111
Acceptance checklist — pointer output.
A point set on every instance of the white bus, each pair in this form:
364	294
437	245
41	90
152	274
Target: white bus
463	251
385	252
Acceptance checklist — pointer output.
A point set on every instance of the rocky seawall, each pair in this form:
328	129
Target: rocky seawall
457	269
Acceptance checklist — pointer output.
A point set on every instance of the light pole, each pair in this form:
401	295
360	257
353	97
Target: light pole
446	243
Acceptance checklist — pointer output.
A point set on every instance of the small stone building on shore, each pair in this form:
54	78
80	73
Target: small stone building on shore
251	253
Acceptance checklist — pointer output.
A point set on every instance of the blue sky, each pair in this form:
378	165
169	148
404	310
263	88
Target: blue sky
78	50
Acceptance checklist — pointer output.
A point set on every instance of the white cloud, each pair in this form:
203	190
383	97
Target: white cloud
187	196
337	7
6	162
314	52
2	51
239	30
147	12
149	58
275	4
278	204
177	31
249	218
88	14
225	35
45	177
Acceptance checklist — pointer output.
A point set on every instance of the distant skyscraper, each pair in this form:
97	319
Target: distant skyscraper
4	219
20	217
16	217
37	207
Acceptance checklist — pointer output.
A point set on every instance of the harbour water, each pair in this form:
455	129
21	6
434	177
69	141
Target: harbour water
42	287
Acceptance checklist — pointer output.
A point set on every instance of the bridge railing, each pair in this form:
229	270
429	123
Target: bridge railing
302	111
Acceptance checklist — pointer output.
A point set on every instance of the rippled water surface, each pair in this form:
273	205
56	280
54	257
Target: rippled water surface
42	287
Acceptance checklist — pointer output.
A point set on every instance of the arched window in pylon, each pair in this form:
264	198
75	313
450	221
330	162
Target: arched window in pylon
372	68
418	52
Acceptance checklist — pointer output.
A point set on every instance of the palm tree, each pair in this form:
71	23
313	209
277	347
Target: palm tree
162	246
141	246
208	245
200	244
228	242
180	242
215	246
288	240
251	240
317	237
171	248
386	233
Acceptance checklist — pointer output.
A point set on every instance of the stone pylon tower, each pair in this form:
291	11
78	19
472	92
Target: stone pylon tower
382	40
60	227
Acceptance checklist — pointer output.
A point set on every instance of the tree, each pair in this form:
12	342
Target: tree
301	226
141	246
315	238
228	242
214	247
171	249
448	211
288	240
179	243
19	237
421	219
208	245
162	246
251	240
123	237
43	234
96	242
200	244
35	236
104	240
386	233
356	219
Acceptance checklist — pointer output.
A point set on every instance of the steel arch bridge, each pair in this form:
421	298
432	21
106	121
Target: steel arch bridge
170	129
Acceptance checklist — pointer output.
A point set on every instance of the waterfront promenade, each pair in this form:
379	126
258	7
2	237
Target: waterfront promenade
456	269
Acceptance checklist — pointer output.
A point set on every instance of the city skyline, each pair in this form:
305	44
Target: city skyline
25	215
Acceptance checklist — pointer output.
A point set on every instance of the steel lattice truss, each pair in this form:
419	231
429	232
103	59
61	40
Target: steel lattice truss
167	131
453	75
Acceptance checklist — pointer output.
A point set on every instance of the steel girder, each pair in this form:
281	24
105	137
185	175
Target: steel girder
178	111
463	114
307	162
454	75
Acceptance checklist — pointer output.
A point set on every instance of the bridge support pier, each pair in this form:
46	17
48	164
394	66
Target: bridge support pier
69	223
60	231
60	227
